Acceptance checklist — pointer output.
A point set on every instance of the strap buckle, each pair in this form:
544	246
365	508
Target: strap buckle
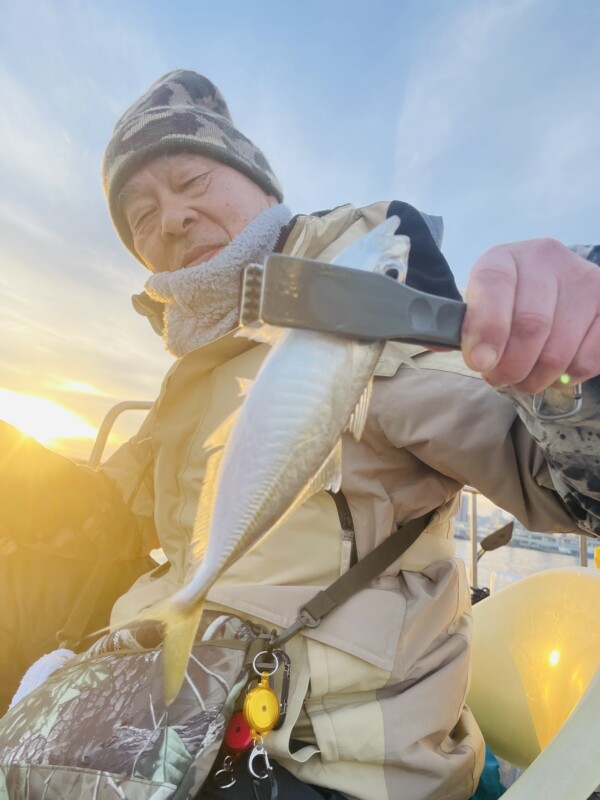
304	620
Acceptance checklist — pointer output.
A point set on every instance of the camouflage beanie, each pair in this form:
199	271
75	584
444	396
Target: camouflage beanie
182	112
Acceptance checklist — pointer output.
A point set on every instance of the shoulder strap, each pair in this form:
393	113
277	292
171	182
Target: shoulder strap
359	576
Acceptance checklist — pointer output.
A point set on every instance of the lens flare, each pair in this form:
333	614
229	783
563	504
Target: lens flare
43	419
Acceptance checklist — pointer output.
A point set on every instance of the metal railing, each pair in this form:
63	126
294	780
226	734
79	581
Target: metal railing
473	538
107	424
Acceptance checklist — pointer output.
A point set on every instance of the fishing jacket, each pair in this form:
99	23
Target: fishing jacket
377	700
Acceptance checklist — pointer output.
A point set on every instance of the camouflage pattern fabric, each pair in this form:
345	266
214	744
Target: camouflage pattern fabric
572	445
589	251
181	112
572	450
99	728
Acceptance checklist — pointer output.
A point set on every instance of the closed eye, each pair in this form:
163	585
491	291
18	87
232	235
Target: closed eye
197	181
141	220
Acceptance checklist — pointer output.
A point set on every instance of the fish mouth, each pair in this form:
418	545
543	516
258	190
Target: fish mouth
198	255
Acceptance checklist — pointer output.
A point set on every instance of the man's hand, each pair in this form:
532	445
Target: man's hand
533	314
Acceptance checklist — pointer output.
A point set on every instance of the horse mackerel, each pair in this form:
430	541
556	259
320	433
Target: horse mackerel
282	446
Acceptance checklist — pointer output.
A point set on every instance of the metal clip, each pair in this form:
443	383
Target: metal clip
304	620
259	752
285	686
551	416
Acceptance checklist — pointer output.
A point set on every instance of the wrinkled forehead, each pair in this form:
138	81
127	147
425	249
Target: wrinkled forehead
163	169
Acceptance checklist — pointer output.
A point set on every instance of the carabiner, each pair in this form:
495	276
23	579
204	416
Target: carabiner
552	416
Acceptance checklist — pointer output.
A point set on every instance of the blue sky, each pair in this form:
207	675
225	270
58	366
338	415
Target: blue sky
483	111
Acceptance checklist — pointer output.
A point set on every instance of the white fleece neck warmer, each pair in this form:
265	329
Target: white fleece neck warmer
202	302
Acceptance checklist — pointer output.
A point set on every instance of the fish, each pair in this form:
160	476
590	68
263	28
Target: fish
282	446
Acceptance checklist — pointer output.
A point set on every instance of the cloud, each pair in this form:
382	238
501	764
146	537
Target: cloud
563	171
32	145
445	95
27	222
311	166
498	124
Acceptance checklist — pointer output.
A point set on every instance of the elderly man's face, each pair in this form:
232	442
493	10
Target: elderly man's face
183	209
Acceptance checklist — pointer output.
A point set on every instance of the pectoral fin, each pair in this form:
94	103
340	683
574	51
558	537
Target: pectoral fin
245	385
329	477
356	423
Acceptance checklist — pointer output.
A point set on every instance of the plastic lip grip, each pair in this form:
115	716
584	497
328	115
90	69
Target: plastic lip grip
313	295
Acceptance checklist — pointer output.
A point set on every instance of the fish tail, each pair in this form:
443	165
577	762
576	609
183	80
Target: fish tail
178	639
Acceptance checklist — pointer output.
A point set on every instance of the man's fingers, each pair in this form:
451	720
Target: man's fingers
533	312
531	329
491	295
558	354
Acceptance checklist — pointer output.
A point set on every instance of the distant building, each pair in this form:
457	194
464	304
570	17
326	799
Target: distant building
463	511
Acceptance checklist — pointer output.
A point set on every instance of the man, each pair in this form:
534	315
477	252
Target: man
376	704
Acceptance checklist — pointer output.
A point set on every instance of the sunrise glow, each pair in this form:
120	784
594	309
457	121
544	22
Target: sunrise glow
43	419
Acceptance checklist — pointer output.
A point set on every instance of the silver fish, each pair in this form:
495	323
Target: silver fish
283	446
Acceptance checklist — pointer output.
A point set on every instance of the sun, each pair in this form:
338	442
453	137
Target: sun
43	419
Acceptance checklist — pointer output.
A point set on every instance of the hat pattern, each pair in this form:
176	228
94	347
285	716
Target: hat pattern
181	112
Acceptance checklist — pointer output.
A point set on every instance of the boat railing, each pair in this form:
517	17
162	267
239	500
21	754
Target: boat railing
107	424
473	537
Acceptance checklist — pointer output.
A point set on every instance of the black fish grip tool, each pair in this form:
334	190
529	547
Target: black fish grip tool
313	295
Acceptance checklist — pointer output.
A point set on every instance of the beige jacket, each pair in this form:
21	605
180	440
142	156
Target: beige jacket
378	689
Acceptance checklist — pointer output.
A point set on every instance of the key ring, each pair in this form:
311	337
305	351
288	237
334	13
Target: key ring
265	653
224	778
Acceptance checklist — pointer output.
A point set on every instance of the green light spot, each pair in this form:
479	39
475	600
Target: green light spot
565	378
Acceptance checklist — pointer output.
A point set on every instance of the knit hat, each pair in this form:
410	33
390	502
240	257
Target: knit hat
182	112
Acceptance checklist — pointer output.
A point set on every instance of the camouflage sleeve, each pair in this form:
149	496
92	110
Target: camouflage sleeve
589	251
571	445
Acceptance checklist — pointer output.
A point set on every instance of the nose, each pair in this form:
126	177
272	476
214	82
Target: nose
176	218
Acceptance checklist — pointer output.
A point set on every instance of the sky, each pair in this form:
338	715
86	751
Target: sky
486	112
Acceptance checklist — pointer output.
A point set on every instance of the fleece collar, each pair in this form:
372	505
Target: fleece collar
202	303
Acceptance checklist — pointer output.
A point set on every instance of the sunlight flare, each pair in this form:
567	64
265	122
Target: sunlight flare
43	419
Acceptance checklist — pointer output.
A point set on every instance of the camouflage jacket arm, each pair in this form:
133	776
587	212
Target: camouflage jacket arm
572	445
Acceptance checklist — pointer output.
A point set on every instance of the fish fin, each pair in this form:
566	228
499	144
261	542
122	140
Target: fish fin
329	477
215	444
179	632
245	385
356	423
178	639
199	540
268	334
